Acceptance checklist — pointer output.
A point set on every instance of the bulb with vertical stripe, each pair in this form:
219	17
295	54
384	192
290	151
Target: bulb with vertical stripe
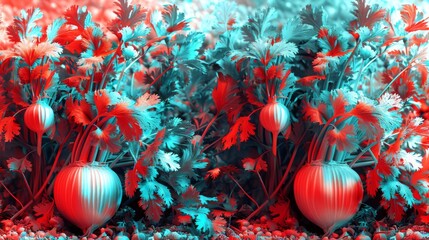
328	194
274	117
88	195
39	117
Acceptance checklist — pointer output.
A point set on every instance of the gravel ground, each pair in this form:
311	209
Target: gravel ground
247	230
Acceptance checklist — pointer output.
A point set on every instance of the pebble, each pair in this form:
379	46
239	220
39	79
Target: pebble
40	234
277	233
157	236
20	230
416	236
379	236
400	235
363	237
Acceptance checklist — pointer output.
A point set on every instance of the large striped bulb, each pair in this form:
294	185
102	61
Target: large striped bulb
274	117
88	195
328	194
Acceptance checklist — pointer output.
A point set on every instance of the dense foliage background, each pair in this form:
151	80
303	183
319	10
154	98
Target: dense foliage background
173	102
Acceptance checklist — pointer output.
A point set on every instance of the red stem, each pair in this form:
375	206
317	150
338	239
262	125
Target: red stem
244	191
47	180
109	65
282	181
208	127
159	76
11	194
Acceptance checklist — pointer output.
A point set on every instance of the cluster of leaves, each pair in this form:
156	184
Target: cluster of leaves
361	79
154	97
116	95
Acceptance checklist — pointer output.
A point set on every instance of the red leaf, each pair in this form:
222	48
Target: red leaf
225	94
153	148
239	132
309	81
18	96
335	45
213	174
131	182
75	17
9	128
44	212
316	115
75	81
423	74
395	147
75	47
190	197
107	138
339	104
128	15
364	112
219	225
79	111
142	169
254	164
102	101
275	71
320	63
184	219
344	138
153	209
259	73
372	182
283	80
19	164
147	100
127	121
177	27
418	40
24	75
366	15
100	45
383	167
251	97
280	212
408	15
220	213
395	208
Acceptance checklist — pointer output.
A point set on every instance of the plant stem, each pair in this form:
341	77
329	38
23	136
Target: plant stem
208	127
11	194
263	185
391	82
109	65
47	180
159	77
282	181
27	185
339	82
331	152
362	153
112	165
242	189
211	144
